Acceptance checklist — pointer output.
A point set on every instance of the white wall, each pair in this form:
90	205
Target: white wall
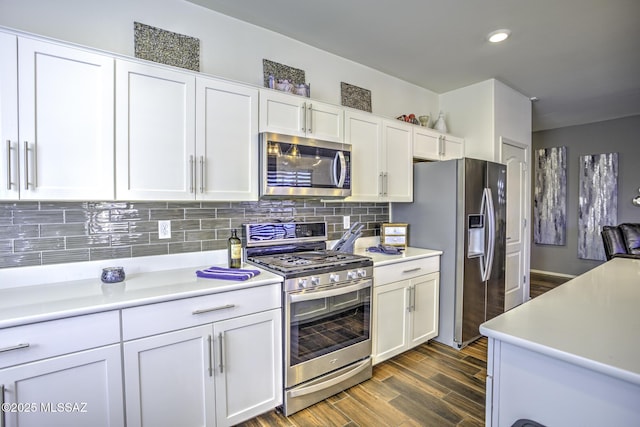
228	48
469	113
483	113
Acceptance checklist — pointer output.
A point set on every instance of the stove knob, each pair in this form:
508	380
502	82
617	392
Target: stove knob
352	275
315	281
302	283
334	277
362	273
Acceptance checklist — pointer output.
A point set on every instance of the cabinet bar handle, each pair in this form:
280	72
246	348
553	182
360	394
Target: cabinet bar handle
304	116
310	118
26	165
221	339
2	406
191	174
9	165
15	347
210	341
380	178
207	310
202	174
411	270
409	300
386	183
413	298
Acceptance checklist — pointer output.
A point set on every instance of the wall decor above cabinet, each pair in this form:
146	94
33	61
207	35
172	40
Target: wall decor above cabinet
285	78
355	97
165	47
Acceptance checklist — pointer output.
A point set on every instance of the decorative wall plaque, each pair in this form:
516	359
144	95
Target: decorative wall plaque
355	97
158	45
550	196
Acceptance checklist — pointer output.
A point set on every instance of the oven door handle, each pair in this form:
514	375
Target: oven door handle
326	384
311	295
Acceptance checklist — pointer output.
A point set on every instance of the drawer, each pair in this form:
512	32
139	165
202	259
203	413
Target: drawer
405	270
21	344
183	313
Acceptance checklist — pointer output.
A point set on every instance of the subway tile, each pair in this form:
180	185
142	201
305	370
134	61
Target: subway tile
6	246
61	257
176	236
148	250
144	227
191	236
182	247
184	205
38	217
214	245
19	231
45	206
130	239
203	213
121	215
110	253
108	227
96	241
148	205
19	206
164	214
6	217
77	216
185	224
20	260
54	230
209	224
38	245
106	205
324	211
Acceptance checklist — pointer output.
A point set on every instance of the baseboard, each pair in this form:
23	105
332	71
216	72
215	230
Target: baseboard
552	273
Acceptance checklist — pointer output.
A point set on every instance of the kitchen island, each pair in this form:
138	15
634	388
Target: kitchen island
570	357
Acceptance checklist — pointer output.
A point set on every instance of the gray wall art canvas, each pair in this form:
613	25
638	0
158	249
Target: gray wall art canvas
550	196
166	47
598	202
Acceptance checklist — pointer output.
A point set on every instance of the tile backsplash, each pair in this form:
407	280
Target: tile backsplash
41	233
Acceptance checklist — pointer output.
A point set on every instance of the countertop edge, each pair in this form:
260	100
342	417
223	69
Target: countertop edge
571	358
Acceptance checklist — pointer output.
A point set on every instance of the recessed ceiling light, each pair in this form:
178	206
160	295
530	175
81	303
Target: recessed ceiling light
498	36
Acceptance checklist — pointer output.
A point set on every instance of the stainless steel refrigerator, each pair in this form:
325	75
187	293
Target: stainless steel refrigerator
459	207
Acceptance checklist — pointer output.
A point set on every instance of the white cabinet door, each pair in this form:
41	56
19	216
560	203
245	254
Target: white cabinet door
66	122
169	379
248	366
364	133
298	116
390	319
282	113
426	144
424	308
226	141
9	179
398	166
80	389
324	121
453	147
155	130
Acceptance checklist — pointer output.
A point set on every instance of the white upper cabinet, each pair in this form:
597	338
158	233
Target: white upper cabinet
432	145
184	137
299	116
62	148
226	141
381	158
155	133
9	178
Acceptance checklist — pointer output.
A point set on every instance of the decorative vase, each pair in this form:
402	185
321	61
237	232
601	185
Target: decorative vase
440	125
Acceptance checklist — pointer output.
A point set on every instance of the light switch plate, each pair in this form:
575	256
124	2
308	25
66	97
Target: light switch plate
164	229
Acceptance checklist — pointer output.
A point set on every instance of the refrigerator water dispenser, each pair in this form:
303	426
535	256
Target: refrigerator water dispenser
475	225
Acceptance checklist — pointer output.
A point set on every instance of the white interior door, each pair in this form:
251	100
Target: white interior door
515	156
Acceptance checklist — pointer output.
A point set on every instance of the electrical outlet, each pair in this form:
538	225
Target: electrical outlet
346	222
164	229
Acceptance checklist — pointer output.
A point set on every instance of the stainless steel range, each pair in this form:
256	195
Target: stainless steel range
326	309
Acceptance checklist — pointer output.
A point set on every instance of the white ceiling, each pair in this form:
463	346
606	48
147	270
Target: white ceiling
581	58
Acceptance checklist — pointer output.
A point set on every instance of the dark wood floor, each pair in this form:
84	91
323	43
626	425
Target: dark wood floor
430	385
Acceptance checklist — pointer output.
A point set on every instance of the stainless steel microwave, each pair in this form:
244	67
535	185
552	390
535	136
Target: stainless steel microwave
293	166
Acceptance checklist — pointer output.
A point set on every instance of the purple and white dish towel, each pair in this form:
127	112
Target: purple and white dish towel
227	273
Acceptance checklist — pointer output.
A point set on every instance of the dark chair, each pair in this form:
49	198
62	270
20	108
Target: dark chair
621	241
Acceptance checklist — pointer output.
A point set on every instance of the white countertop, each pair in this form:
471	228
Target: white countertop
28	304
36	294
407	255
592	321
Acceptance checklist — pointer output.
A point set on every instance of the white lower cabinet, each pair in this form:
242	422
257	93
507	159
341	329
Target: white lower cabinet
405	309
60	380
220	373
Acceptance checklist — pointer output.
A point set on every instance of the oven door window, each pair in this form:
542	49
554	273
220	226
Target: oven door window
325	324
